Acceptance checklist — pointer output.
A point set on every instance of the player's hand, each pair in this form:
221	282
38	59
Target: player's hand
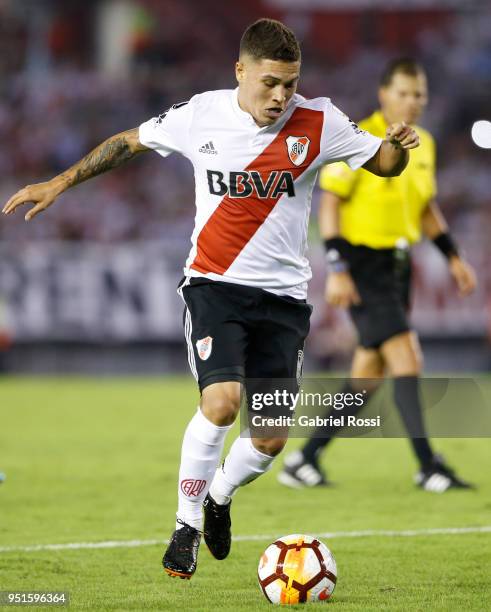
463	275
341	290
41	194
402	136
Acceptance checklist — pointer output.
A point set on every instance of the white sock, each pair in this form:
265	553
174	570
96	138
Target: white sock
201	450
242	464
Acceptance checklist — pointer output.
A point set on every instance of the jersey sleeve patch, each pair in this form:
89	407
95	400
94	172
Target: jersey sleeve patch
168	132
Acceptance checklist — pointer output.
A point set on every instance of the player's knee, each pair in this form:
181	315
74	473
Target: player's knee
220	403
270	446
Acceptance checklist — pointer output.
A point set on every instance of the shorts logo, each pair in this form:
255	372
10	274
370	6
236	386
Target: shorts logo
299	367
204	347
298	147
192	487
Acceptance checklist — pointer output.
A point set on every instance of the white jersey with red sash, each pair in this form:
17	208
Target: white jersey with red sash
254	185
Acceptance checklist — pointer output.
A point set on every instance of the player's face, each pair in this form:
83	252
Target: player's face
265	87
404	99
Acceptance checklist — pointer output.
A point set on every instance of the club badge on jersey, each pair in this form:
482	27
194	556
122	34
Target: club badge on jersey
298	147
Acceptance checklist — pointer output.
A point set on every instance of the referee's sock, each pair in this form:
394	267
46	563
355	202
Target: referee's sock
408	402
323	435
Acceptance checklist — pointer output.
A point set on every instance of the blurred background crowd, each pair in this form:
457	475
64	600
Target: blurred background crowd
73	73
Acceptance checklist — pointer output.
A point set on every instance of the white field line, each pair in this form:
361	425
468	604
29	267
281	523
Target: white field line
410	533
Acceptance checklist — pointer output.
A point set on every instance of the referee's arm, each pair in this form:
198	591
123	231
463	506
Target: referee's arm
435	228
340	289
393	154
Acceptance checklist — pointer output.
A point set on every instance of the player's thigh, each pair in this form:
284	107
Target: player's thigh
215	333
276	343
402	354
275	359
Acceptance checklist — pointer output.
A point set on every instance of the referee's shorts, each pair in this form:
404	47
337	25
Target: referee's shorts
383	280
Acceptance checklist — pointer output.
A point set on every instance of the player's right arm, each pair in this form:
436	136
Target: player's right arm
110	154
340	288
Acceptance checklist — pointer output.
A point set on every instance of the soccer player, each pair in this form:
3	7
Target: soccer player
367	224
255	151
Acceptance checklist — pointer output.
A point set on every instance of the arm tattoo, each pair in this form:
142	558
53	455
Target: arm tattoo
110	154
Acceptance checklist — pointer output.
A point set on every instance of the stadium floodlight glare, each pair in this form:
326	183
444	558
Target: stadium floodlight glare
481	133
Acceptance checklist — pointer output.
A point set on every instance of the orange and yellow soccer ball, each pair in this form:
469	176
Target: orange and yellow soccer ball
297	569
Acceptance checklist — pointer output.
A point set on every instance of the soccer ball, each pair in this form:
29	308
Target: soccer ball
296	569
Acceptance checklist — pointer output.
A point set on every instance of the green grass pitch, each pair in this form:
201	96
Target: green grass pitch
96	460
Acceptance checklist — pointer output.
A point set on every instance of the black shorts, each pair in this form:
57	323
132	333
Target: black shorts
235	332
383	280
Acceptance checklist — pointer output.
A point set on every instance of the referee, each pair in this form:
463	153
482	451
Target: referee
368	224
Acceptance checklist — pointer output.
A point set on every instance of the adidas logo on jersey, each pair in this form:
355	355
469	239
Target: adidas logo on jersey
208	148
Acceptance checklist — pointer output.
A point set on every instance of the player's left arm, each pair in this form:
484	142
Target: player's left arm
435	228
393	154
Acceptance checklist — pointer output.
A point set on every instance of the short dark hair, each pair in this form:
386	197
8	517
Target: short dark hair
401	65
270	39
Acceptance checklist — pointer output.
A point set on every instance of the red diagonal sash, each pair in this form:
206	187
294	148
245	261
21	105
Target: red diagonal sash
235	221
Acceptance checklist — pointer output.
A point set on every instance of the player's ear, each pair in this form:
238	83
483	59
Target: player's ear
239	70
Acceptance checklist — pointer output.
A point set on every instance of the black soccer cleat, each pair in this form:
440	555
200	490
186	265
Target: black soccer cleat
438	478
298	473
217	533
181	556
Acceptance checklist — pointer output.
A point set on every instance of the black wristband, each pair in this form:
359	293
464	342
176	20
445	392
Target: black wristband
339	245
337	253
446	244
